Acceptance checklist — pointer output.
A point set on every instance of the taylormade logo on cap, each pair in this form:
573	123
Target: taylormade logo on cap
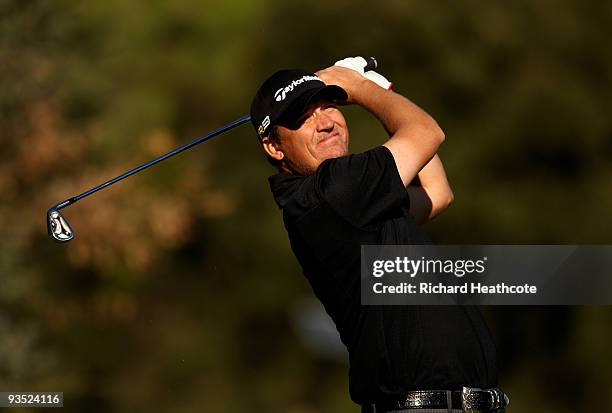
281	93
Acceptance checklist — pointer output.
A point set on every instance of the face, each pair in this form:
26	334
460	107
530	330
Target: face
322	134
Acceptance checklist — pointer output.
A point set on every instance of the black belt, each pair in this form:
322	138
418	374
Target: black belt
469	400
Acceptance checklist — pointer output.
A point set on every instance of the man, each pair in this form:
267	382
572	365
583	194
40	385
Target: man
401	357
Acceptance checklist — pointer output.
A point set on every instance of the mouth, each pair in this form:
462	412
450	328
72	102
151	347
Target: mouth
327	137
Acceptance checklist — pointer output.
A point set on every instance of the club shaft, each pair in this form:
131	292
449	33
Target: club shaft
152	162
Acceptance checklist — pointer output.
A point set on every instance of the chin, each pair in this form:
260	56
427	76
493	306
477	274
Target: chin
336	152
333	150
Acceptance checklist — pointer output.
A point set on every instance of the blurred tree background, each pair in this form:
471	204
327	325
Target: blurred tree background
180	290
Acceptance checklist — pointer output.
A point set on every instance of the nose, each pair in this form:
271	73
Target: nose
323	121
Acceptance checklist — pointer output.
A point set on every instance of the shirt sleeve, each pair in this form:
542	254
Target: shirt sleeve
363	188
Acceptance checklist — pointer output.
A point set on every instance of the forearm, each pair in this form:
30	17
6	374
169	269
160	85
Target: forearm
431	194
396	113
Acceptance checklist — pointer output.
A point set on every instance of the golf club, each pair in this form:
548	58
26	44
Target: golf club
59	228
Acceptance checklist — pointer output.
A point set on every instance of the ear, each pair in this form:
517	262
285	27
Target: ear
272	149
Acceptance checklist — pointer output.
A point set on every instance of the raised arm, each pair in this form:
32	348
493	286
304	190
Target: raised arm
414	135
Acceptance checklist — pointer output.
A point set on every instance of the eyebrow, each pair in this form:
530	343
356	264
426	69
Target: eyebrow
317	104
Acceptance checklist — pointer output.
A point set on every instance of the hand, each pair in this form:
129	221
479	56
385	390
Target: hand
359	64
349	80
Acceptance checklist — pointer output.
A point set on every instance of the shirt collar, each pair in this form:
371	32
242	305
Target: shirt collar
283	186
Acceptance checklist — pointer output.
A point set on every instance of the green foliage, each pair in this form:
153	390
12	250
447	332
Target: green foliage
177	293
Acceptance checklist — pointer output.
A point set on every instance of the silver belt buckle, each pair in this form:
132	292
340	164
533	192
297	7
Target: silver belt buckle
468	402
469	396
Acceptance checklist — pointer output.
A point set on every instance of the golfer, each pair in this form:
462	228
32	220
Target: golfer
402	358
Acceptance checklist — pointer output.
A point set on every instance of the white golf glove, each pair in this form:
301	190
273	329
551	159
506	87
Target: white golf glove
358	64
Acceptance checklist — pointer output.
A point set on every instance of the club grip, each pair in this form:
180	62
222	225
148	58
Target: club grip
371	64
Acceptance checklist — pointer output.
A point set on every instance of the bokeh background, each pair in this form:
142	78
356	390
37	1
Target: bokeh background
180	292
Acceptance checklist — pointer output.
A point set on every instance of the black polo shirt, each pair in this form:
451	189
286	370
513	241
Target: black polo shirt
360	199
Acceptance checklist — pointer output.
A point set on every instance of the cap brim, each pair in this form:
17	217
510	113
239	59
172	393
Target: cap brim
292	117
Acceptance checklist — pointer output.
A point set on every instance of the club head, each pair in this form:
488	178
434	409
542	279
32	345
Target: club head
58	227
